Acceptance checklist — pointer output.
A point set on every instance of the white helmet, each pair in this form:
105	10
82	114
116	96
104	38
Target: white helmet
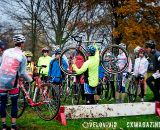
123	45
137	49
19	38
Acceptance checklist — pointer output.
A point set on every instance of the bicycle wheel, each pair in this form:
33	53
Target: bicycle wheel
132	91
70	53
110	59
76	89
65	90
49	96
21	105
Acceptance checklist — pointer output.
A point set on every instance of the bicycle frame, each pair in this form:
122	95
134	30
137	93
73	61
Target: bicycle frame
31	102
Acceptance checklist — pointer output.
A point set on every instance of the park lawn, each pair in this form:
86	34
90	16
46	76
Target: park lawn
30	121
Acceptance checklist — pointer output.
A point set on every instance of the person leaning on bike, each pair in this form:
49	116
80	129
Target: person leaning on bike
154	81
90	67
44	60
13	66
140	69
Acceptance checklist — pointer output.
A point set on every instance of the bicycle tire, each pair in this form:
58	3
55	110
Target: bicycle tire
51	99
21	105
132	92
104	61
70	57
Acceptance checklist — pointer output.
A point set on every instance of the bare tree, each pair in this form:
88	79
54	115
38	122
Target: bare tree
59	13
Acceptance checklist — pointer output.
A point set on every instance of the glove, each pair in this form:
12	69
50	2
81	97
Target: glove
127	75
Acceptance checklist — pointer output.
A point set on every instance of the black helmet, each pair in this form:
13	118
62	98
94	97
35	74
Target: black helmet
151	44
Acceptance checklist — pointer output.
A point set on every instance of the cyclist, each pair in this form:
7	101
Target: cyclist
2	47
55	74
30	64
13	66
122	77
154	80
44	60
79	60
140	69
90	67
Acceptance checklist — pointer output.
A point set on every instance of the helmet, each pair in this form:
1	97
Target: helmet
137	49
151	44
91	49
19	38
2	45
122	45
28	54
141	50
57	51
45	49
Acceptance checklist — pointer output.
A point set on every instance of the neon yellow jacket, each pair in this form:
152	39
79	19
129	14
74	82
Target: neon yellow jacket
92	65
44	61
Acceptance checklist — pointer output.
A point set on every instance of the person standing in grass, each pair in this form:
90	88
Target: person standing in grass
154	81
90	70
13	66
140	70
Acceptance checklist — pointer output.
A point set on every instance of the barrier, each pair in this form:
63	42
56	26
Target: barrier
107	110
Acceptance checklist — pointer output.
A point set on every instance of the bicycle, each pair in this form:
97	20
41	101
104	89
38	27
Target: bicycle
135	84
107	91
45	100
109	62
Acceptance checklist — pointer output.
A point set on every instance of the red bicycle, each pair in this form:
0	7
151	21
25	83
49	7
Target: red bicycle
45	99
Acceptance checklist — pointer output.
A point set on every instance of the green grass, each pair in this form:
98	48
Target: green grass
30	121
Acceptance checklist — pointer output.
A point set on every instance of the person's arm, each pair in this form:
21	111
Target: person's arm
50	66
130	65
65	65
82	69
22	70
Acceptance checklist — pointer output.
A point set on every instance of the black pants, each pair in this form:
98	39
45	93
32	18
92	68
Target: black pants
154	85
113	89
14	107
90	98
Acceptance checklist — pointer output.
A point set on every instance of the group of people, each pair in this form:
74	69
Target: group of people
17	63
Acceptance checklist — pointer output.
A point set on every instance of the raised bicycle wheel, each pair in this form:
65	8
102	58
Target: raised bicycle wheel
50	98
132	91
21	105
70	54
110	59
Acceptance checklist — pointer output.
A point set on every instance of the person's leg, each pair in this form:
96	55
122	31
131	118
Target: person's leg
82	92
123	87
3	97
118	87
142	90
14	110
113	89
149	82
145	85
157	88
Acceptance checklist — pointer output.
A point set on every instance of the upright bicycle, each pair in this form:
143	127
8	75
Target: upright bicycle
45	100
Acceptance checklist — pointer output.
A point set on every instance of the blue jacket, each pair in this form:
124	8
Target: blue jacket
55	70
101	72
